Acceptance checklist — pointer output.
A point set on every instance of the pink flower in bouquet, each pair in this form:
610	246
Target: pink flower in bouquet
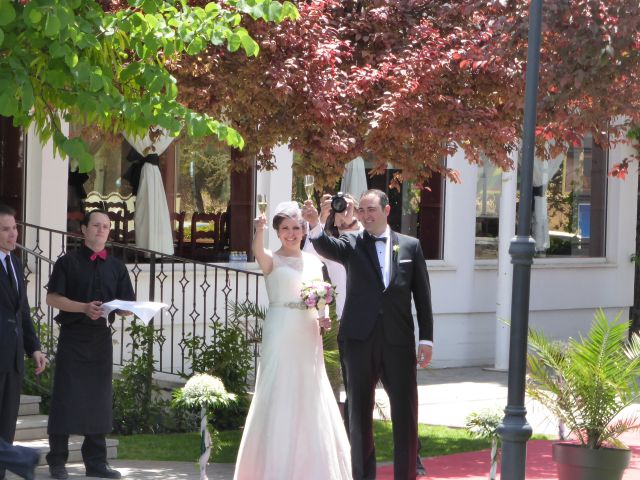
317	294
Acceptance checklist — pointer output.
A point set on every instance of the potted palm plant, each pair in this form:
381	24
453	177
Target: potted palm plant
587	383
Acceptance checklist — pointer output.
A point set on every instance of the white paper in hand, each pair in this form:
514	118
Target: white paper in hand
145	311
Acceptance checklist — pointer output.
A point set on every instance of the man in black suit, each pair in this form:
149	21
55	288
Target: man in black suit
17	334
384	270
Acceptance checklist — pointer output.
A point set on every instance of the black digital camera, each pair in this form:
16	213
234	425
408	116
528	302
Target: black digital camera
338	202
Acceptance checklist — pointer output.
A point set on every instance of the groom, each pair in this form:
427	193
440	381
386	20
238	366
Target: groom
384	270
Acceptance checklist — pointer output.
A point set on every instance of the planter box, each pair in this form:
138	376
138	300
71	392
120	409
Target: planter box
579	463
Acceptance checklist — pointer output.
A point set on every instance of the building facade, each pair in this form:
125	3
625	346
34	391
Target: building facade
585	239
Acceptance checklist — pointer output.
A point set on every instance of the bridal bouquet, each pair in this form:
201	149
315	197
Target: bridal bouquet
317	294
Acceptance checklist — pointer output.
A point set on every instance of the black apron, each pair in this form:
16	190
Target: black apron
82	400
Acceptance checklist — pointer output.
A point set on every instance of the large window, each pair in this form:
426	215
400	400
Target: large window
569	204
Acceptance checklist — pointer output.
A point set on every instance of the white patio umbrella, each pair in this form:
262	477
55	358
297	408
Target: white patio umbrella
354	179
151	218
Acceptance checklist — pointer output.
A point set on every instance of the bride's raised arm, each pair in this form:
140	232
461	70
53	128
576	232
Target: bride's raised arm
263	256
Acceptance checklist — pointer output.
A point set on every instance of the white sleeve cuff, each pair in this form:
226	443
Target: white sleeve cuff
428	343
315	232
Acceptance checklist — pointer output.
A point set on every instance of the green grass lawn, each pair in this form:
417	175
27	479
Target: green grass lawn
184	447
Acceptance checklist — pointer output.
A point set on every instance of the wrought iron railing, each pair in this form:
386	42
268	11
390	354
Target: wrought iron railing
198	294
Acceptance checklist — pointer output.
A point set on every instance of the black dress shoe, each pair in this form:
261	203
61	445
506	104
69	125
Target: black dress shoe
104	471
58	471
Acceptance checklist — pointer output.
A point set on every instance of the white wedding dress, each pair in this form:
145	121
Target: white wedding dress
294	430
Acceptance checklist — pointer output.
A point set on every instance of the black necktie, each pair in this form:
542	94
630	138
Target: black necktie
12	278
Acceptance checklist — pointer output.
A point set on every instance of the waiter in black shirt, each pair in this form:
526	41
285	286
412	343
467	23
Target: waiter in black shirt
82	393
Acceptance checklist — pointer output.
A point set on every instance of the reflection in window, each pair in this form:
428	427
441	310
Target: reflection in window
203	183
109	162
418	212
102	187
569	196
202	176
576	204
488	190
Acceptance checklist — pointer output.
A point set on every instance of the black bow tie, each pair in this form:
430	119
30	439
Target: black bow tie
371	238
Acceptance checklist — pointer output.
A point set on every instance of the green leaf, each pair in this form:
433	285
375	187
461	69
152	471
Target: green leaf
257	11
28	99
81	72
76	149
156	85
211	8
1	36
58	49
7	12
290	11
71	59
56	78
150	6
275	11
95	79
8	103
34	15
233	42
195	46
250	46
52	26
172	91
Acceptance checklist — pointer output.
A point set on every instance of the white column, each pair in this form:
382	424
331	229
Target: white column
276	185
46	189
506	231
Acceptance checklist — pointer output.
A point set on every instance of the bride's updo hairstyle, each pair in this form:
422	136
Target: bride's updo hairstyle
286	210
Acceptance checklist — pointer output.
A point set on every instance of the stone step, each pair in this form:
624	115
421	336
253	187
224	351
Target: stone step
31	427
29	405
75	443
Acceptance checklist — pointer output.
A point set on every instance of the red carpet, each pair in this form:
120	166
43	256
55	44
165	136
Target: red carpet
475	465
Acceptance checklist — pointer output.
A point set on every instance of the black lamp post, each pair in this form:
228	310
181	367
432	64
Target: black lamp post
514	429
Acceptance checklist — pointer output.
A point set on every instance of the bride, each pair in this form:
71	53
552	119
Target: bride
293	429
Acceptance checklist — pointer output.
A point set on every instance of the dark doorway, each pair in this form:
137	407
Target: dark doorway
12	166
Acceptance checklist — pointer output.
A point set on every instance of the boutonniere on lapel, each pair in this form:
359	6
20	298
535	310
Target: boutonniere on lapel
396	249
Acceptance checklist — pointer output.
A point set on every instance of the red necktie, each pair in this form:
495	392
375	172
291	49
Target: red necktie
102	255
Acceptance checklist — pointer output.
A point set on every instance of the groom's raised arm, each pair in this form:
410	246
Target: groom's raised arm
336	249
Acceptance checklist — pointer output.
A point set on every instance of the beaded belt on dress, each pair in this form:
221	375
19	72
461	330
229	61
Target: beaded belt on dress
297	305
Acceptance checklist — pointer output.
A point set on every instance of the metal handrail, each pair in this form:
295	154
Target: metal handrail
199	294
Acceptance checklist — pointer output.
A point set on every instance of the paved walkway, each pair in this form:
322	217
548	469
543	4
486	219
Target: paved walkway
446	397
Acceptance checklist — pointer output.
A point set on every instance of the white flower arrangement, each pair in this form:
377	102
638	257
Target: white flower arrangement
203	390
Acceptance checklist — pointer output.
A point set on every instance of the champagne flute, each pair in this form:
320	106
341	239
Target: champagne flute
308	185
262	203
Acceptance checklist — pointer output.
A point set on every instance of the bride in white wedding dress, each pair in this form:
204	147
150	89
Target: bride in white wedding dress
293	430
